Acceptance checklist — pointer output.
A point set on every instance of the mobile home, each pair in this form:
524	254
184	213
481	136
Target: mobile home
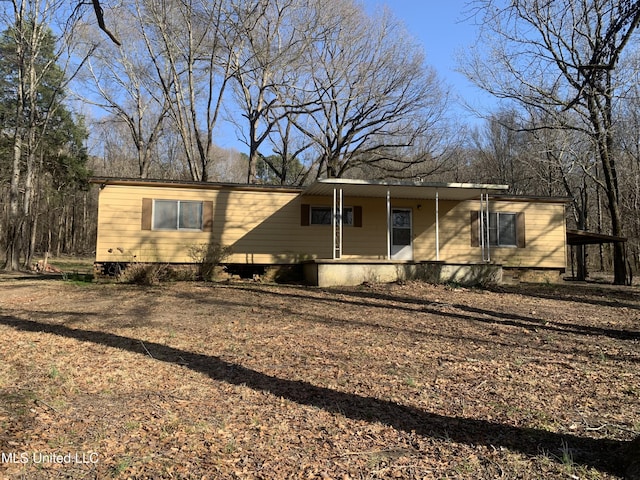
337	231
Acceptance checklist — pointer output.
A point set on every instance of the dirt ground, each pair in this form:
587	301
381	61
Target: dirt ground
256	381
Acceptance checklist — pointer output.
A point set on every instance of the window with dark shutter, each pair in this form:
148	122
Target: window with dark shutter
505	229
520	230
207	216
176	215
475	228
321	215
357	216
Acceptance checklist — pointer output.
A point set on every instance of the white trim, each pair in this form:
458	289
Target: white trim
481	226
336	222
488	238
401	190
177	227
388	224
409	183
437	228
333	225
341	222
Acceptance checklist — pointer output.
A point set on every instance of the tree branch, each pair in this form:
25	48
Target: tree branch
97	8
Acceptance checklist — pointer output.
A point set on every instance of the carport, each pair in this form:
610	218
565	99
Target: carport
577	239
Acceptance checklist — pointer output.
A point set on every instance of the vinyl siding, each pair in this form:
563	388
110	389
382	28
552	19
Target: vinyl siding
265	227
544	231
260	226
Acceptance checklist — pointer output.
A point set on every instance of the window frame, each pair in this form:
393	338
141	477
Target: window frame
497	229
328	207
178	203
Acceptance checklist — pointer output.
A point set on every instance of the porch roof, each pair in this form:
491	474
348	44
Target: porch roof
583	237
402	189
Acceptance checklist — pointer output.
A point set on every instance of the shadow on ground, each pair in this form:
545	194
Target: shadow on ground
602	454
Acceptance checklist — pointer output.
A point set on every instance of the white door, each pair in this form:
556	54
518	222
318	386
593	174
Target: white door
401	234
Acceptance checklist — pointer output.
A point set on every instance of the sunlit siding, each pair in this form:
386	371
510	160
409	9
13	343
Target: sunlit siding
260	226
544	231
265	226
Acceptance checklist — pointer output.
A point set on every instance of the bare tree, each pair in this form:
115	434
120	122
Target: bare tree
273	38
191	54
628	140
99	13
556	57
504	151
373	95
120	80
292	150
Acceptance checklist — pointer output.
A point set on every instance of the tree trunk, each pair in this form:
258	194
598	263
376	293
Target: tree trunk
602	122
14	226
619	257
59	246
30	251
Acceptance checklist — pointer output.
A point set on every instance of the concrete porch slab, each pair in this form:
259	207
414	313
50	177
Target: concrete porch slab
327	273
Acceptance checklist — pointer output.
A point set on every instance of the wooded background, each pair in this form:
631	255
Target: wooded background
314	89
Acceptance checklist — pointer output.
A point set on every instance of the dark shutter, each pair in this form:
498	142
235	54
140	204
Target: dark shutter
475	228
305	210
207	216
147	212
520	230
357	216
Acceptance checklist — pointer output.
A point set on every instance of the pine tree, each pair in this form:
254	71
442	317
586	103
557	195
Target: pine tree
41	142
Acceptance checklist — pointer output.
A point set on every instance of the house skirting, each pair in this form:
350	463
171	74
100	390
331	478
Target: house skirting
327	273
514	275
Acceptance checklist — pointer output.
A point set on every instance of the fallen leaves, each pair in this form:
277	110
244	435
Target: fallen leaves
269	382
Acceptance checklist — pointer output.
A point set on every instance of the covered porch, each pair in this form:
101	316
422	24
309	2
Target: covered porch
406	249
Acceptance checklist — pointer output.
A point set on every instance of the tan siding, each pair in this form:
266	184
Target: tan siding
265	227
261	227
545	235
368	241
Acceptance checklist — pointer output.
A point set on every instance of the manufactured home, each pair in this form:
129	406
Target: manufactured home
336	231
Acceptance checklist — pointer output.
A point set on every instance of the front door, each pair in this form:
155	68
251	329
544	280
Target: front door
401	234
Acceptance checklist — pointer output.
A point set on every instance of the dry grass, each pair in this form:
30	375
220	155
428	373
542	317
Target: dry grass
192	380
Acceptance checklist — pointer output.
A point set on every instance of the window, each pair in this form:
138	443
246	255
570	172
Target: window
505	229
322	215
177	215
502	229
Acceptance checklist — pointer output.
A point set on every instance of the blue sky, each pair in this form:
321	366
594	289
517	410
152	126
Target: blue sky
439	25
443	29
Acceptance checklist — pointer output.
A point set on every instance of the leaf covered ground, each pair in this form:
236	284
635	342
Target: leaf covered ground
252	381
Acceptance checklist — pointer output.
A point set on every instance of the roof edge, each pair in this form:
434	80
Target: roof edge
148	182
585	237
529	198
412	183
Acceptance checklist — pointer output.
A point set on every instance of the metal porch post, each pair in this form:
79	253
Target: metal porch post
486	197
336	222
437	228
388	224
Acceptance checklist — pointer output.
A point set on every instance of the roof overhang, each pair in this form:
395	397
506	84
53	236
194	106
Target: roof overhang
405	189
137	182
583	237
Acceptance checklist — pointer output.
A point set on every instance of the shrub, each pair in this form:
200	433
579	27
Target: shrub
208	256
144	273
